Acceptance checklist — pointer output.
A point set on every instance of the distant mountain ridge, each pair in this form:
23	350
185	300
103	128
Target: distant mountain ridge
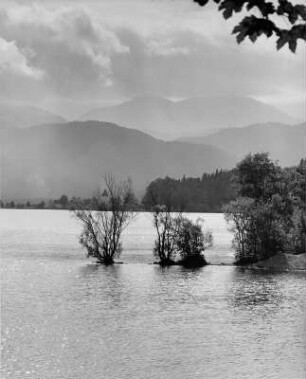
23	116
285	143
168	119
49	160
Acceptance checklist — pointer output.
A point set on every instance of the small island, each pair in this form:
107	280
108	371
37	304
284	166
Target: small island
177	236
282	262
268	218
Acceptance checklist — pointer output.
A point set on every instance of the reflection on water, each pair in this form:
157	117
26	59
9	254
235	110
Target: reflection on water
92	269
252	289
64	317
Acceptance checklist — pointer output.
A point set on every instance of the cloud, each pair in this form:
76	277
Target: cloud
81	36
165	45
186	64
15	61
101	50
70	46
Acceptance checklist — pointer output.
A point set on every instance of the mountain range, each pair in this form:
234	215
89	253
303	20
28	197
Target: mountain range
56	157
168	119
23	116
285	143
49	160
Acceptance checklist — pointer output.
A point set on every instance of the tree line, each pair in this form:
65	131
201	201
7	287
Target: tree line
267	217
264	205
206	194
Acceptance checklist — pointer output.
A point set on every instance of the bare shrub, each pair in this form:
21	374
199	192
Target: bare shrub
102	229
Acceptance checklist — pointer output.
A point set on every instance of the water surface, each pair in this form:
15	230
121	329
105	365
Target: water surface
65	317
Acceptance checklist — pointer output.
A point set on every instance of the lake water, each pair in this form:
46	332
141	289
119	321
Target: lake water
64	317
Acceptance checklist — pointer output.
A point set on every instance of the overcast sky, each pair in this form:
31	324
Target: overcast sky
109	50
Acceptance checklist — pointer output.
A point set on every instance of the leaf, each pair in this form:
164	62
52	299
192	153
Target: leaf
293	17
292	44
253	37
227	13
283	39
299	31
301	10
266	8
240	31
253	27
228	7
202	3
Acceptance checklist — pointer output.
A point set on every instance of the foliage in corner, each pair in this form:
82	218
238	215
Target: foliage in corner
281	18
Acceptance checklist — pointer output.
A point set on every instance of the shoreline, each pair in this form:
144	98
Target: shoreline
282	262
279	263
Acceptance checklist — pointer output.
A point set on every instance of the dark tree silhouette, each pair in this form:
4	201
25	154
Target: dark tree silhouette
280	18
102	229
166	228
191	242
205	194
64	201
177	235
269	215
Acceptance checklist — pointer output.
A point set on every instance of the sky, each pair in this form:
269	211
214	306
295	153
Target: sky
69	56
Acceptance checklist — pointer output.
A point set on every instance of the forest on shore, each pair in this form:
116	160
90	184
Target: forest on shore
208	193
263	204
187	194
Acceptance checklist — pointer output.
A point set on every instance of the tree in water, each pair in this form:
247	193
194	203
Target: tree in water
191	242
257	227
268	216
166	229
102	229
282	18
179	236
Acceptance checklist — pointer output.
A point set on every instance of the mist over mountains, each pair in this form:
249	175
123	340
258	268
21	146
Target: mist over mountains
42	156
49	160
168	119
23	116
285	143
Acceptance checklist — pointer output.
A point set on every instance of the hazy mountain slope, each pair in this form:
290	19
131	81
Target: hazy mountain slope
24	116
285	143
149	114
168	119
46	161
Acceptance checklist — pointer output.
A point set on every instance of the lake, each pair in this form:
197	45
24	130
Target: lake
62	316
